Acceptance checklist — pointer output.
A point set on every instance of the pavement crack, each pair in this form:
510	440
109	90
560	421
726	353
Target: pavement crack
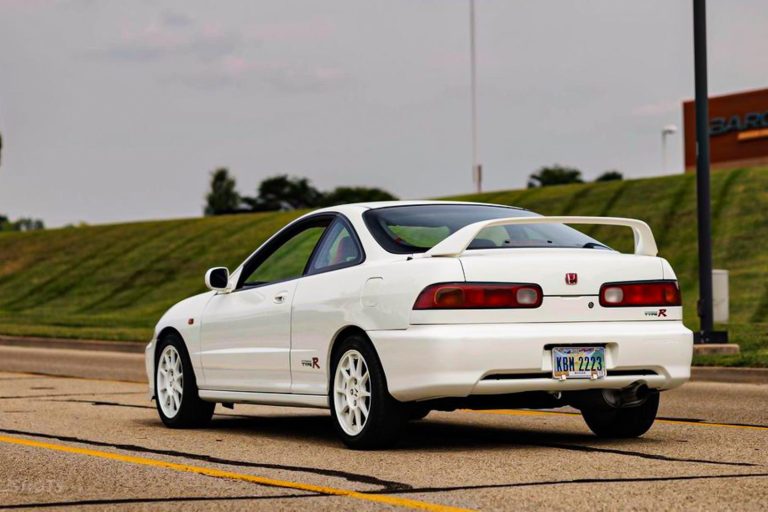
102	403
706	422
385	485
576	481
174	499
56	395
642	455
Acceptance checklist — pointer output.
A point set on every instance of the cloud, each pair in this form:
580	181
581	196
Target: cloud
174	36
659	108
315	29
209	55
278	76
176	19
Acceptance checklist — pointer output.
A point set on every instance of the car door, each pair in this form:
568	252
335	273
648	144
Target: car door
245	334
326	299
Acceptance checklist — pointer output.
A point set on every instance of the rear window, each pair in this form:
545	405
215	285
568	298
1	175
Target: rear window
415	229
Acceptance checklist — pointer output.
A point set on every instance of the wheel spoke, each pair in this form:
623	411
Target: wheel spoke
358	422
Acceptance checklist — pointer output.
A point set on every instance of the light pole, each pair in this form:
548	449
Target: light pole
477	169
706	333
667	130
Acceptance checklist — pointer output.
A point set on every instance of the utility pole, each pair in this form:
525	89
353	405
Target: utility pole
706	333
477	168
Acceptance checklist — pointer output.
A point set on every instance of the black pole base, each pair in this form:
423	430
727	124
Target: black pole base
710	337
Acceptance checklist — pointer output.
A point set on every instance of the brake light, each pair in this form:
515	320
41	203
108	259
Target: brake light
479	296
645	293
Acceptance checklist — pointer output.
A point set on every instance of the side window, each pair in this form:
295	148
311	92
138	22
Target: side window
289	259
338	249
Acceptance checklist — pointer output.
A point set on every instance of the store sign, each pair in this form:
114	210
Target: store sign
738	123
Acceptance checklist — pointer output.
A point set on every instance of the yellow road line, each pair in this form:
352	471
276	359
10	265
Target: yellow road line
376	498
522	412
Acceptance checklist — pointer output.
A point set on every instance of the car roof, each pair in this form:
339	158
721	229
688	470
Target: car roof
372	205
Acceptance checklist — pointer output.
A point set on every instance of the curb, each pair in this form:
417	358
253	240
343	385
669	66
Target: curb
131	347
732	375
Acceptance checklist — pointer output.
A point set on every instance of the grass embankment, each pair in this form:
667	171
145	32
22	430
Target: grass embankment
114	281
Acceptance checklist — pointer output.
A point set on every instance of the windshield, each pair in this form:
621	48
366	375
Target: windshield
414	229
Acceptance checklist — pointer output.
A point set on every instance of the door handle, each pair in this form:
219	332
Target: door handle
280	298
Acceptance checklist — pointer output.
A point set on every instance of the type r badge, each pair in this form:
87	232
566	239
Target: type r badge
571	278
313	363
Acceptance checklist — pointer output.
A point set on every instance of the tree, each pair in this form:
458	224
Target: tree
344	195
29	224
612	175
223	197
554	175
285	192
21	224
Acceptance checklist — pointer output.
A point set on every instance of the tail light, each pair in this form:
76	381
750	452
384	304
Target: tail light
479	296
642	293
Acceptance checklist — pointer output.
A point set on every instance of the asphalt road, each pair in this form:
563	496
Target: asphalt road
74	443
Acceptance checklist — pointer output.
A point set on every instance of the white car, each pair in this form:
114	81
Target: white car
384	311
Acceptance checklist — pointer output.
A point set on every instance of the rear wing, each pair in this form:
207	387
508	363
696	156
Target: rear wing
458	242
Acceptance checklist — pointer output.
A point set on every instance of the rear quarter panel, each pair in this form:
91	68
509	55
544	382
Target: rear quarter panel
376	295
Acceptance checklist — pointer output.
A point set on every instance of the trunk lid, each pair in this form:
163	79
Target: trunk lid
548	268
563	302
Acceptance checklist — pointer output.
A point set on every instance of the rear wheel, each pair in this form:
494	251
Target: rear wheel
365	415
176	394
623	422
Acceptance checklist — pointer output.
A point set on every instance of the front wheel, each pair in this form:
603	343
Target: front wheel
176	394
365	415
623	422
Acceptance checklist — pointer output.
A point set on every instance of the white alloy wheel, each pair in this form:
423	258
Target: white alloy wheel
352	392
170	381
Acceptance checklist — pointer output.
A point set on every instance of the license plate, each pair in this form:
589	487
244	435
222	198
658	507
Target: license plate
578	362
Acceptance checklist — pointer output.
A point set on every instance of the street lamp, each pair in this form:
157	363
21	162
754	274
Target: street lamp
667	130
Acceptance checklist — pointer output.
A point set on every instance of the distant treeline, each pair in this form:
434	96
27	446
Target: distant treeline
281	192
21	224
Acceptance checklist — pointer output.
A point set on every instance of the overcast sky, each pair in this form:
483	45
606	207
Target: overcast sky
118	110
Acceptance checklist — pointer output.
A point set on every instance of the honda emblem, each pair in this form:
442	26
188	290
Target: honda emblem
571	278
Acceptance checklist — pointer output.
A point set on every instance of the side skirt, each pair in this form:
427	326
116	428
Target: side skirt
245	397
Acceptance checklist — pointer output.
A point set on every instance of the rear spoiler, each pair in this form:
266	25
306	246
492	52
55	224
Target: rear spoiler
458	242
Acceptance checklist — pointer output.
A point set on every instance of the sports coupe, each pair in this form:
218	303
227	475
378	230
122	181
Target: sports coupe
383	312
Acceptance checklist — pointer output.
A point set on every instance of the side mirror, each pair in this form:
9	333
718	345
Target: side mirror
217	279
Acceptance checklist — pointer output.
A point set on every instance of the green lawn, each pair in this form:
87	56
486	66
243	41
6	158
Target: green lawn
114	281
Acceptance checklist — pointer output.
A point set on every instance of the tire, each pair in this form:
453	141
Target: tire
176	396
357	383
624	422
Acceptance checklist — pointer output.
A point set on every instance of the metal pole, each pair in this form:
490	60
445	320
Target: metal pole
702	171
477	172
664	151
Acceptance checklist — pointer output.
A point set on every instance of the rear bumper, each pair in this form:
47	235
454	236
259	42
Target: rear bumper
438	361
